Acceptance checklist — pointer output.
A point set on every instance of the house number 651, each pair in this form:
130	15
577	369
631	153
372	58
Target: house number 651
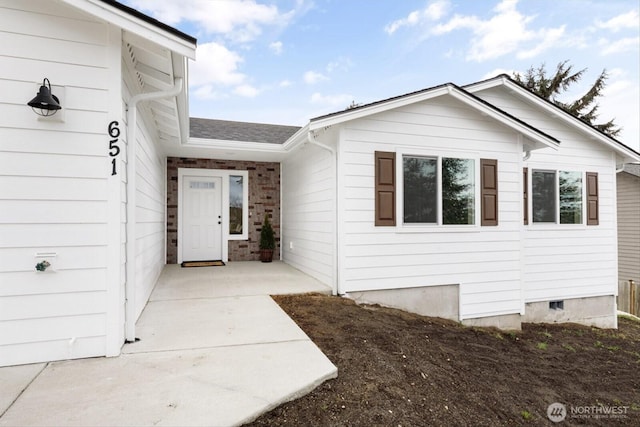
114	150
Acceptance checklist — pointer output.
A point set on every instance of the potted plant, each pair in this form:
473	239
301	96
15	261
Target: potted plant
267	241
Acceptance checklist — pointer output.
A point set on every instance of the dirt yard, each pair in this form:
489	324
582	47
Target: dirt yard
401	369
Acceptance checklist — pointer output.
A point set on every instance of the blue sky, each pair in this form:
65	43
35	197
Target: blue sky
287	61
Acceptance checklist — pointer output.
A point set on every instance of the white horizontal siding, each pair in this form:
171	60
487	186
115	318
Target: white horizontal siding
628	187
557	263
53	180
484	261
308	219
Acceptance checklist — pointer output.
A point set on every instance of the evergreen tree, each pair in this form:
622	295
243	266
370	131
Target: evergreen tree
550	87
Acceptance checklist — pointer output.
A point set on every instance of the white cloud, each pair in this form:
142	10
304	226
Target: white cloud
276	47
216	71
629	20
238	20
504	33
335	101
312	77
285	83
215	64
434	11
206	92
550	38
246	91
618	46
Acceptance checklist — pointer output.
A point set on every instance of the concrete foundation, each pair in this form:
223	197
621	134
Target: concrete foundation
434	301
508	322
594	311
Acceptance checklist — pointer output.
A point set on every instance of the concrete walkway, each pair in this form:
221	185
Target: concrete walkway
214	350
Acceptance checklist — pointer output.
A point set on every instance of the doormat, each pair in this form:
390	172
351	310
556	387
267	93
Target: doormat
202	264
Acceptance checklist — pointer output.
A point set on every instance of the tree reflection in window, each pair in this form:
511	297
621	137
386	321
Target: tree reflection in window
235	204
570	197
421	190
458	191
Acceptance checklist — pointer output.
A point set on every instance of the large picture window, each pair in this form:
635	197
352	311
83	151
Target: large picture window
439	190
557	197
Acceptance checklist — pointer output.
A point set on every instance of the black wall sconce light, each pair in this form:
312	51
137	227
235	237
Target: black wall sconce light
45	103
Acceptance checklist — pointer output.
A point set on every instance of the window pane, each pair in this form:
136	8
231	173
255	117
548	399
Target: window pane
420	189
544	196
235	204
458	191
570	197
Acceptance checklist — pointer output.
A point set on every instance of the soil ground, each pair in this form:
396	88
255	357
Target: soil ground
402	369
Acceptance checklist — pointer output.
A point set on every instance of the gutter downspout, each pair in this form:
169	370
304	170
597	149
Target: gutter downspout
312	139
132	125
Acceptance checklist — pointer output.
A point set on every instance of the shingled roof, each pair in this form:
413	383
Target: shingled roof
240	131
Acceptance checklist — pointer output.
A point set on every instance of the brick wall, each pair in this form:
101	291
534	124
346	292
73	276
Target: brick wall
264	197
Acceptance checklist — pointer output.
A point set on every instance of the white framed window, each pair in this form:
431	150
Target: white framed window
557	197
439	190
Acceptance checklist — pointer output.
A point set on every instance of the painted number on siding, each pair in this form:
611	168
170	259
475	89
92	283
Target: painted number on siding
114	149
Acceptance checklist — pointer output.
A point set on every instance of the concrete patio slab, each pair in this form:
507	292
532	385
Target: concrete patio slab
234	279
214	350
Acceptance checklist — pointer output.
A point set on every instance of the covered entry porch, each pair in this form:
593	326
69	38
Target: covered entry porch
213	349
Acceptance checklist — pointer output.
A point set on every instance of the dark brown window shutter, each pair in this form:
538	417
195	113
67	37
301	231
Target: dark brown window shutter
592	198
489	191
385	163
525	195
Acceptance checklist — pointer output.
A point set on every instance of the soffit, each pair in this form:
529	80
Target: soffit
155	68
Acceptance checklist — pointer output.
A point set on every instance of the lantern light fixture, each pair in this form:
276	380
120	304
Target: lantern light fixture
45	103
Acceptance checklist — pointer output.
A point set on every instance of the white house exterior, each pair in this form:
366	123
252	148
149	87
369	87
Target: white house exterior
65	180
519	264
484	204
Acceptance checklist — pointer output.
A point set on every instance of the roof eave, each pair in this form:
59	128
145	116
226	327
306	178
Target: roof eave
297	138
627	153
539	138
376	107
245	146
128	22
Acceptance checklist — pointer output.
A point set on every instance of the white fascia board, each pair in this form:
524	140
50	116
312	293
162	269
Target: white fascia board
555	112
300	137
376	108
223	144
541	138
134	25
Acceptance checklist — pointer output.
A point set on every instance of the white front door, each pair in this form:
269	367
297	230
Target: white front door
201	218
